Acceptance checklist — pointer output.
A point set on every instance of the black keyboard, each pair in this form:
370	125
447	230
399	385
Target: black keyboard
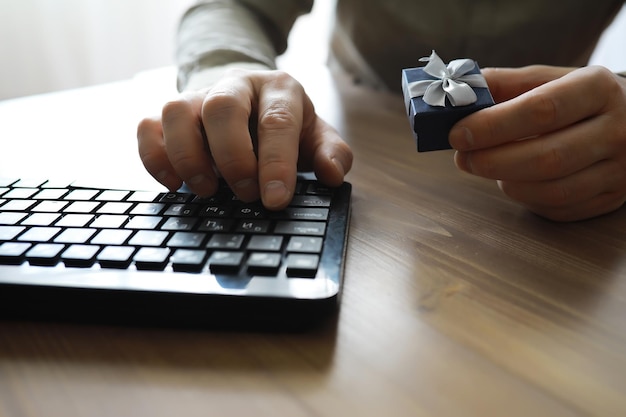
174	259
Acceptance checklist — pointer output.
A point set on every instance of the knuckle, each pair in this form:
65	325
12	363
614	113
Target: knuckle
221	105
174	110
144	127
278	116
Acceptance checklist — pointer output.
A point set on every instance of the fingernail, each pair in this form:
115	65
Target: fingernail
461	138
275	194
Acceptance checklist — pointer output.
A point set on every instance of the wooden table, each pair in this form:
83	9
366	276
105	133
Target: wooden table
457	301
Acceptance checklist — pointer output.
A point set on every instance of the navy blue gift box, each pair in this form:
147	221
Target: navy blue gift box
431	124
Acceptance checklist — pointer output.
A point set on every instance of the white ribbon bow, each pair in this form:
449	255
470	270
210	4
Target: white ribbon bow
452	82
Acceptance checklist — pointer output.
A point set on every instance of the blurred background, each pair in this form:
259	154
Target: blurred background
50	45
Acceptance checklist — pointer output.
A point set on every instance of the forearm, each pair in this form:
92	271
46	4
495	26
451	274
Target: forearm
215	35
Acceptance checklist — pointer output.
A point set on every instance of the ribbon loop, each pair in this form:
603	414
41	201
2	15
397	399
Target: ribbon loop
452	82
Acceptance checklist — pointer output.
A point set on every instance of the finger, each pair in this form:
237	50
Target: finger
186	146
283	106
549	107
604	177
226	112
152	152
507	83
546	157
331	157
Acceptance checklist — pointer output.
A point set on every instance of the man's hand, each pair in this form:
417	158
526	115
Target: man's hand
556	142
206	133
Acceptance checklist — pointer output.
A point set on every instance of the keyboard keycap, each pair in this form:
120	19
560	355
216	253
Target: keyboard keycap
302	265
155	259
44	254
222	262
111	237
80	256
188	260
40	234
10	232
116	257
12	253
263	263
75	235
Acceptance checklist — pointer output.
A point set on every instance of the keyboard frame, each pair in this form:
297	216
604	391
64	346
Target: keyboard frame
183	299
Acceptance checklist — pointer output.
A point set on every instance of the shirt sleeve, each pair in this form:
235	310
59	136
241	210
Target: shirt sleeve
215	35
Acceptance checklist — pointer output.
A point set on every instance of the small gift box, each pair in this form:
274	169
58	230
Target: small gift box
439	95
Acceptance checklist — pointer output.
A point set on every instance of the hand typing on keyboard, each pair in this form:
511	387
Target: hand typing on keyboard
256	128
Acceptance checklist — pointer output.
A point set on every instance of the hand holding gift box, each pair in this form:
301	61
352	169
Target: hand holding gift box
438	95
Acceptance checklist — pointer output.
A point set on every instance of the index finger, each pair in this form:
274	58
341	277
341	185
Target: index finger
547	108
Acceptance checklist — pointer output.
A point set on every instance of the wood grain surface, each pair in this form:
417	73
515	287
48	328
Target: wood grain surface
457	302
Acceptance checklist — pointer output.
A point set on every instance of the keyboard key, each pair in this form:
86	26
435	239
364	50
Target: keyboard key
148	209
188	260
18	205
41	219
265	243
81	207
175	198
143	222
179	223
111	237
186	240
215	225
75	235
109	221
155	259
75	220
116	257
80	256
222	262
225	241
215	211
305	244
21	193
10	232
250	211
144	196
263	263
253	226
50	206
183	210
114	207
303	213
302	265
310	201
44	254
12	253
148	238
300	228
81	194
112	195
51	194
40	234
11	218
